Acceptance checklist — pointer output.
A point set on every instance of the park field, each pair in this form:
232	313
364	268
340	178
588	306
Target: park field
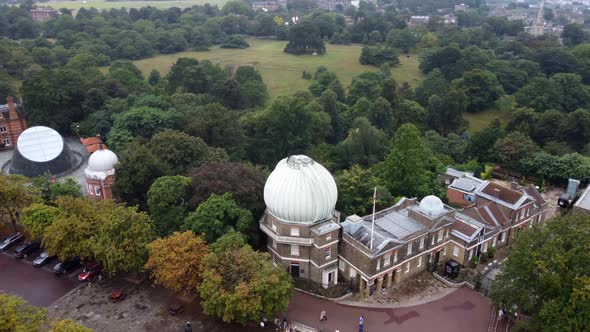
102	4
281	71
481	120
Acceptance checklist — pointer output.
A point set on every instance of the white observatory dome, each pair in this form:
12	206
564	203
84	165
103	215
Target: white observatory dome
102	160
300	190
431	206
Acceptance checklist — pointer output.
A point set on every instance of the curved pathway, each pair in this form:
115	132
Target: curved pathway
463	310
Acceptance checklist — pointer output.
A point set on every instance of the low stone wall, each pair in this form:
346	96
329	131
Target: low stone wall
338	299
453	284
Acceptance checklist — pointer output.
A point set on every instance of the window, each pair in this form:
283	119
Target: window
495	242
422	243
419	261
469	198
408	267
341	265
485	247
329	237
433	236
97	190
440	235
2	129
274	243
445	251
470	254
395	257
273	225
502	237
447	233
528	212
409	248
294	250
328	253
276	260
378	264
294	231
89	189
455	251
6	141
386	259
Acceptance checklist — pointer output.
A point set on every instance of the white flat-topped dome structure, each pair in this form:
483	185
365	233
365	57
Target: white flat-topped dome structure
40	144
431	206
101	164
41	150
300	190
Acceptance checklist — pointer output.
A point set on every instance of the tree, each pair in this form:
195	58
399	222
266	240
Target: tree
376	56
286	127
355	192
215	216
305	38
539	94
154	77
405	169
144	121
36	217
326	80
482	142
17	315
175	261
514	147
241	285
434	84
179	151
15	195
546	275
445	112
402	39
573	34
481	88
244	182
365	145
67	187
68	325
167	202
121	237
137	169
573	94
70	234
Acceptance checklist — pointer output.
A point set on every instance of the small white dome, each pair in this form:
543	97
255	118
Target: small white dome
300	190
102	160
431	206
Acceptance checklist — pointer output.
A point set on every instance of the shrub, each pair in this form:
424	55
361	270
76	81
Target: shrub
483	258
473	262
491	252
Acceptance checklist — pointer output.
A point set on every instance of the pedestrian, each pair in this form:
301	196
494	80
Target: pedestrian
188	327
285	324
323	315
277	323
500	314
362	324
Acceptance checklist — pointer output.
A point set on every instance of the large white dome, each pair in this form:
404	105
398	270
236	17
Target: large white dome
102	160
300	190
431	206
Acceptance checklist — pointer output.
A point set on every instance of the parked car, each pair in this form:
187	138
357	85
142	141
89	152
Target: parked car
9	241
90	270
66	266
117	297
43	259
27	248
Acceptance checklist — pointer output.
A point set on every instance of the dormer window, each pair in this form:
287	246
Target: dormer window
409	248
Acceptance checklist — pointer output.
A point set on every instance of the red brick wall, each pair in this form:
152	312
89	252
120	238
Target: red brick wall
456	197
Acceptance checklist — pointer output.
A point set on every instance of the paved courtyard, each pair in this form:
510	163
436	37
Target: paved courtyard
463	310
38	286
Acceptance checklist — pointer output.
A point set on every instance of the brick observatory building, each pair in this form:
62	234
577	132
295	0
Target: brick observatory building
12	124
100	174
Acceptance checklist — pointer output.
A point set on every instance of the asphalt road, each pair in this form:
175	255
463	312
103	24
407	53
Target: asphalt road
38	286
464	310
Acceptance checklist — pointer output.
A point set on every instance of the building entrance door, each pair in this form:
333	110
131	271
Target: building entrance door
295	270
436	258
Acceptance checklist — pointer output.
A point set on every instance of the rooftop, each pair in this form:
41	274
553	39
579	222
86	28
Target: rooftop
584	201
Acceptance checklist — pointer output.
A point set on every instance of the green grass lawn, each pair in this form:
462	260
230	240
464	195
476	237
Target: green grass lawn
282	72
481	120
102	4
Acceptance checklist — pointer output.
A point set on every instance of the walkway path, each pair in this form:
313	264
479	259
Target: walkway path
462	310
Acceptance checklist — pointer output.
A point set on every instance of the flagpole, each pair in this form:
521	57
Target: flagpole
373	219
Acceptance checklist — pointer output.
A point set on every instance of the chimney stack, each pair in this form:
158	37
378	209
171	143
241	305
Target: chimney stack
11	108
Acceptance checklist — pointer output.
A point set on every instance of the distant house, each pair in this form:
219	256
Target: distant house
44	14
461	8
450	19
414	21
12	123
265	6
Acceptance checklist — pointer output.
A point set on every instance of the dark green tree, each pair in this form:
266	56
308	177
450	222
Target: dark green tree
168	202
